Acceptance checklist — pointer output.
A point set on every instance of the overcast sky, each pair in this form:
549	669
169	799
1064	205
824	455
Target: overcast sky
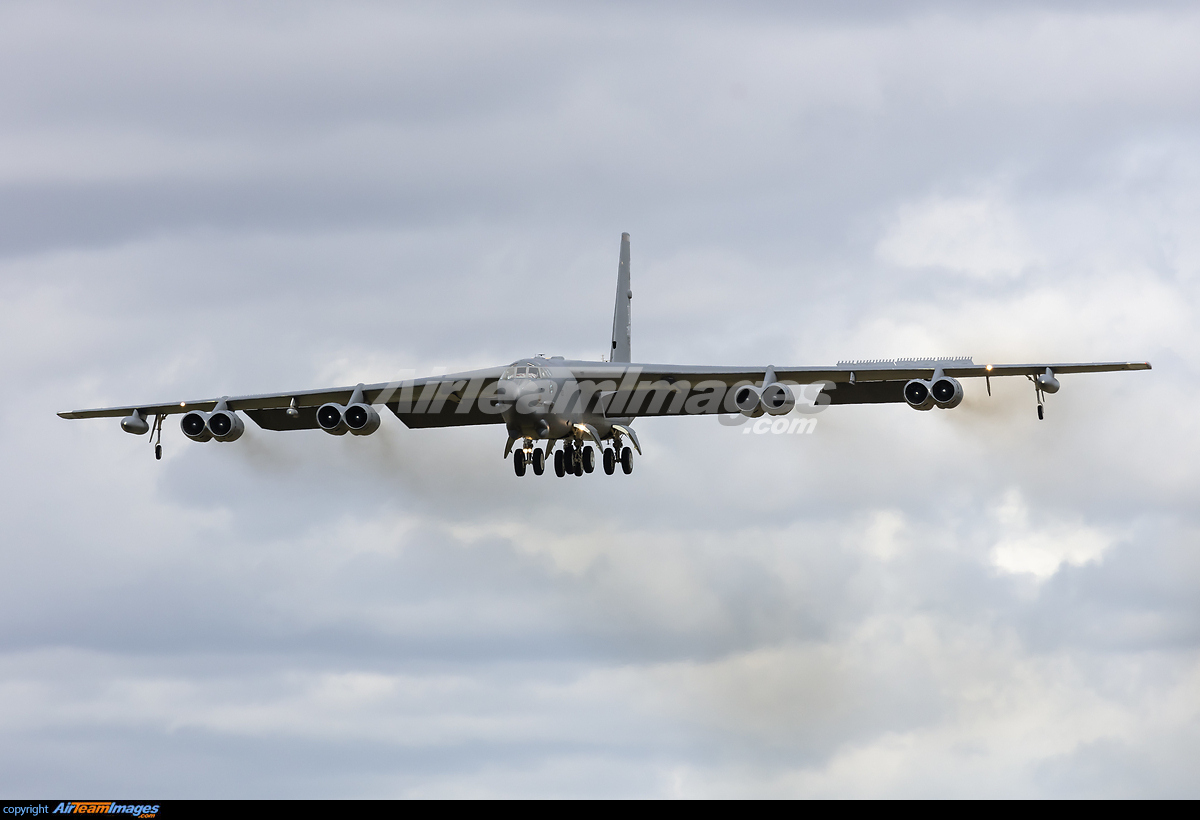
201	199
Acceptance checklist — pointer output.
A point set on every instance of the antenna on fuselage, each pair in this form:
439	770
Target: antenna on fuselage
619	351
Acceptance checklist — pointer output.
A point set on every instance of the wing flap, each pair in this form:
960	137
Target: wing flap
277	418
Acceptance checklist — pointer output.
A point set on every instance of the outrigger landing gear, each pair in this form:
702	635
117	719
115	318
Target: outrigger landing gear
1040	396
157	429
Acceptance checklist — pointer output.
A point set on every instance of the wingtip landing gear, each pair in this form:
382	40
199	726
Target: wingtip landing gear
1040	396
156	430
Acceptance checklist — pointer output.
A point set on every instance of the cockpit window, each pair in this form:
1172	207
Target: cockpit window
524	371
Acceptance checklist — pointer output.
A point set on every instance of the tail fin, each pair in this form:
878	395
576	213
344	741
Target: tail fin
619	352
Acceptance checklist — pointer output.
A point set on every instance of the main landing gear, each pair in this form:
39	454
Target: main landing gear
536	459
574	459
611	460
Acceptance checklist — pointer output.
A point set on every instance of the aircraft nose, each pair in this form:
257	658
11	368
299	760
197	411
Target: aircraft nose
507	390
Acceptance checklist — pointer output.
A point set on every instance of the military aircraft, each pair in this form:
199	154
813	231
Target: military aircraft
580	403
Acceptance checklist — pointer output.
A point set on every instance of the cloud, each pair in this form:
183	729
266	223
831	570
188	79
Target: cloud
1042	550
969	236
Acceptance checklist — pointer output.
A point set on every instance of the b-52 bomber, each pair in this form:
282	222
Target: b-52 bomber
573	405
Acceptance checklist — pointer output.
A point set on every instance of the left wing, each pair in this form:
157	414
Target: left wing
434	401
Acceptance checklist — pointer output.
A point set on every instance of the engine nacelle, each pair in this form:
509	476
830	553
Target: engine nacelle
362	419
135	424
748	400
195	426
1047	383
332	419
917	394
947	392
777	399
226	425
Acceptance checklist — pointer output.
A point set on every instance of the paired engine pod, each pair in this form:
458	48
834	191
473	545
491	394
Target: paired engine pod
225	425
917	394
195	426
947	392
332	419
747	399
777	399
360	418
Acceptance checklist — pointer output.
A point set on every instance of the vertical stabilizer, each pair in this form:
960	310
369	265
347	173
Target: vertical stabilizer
619	352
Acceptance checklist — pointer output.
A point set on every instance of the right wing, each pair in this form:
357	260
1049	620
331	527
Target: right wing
669	390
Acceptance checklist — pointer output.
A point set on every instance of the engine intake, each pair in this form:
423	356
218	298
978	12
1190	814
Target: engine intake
225	425
332	419
362	419
918	395
947	392
195	426
777	399
748	400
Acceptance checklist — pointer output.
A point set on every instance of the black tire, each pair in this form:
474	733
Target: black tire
627	460
1041	415
560	469
539	461
610	461
158	452
589	459
519	462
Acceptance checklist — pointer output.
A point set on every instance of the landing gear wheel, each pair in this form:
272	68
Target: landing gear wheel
1041	415
627	460
158	452
560	469
610	461
519	462
577	460
589	459
539	461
